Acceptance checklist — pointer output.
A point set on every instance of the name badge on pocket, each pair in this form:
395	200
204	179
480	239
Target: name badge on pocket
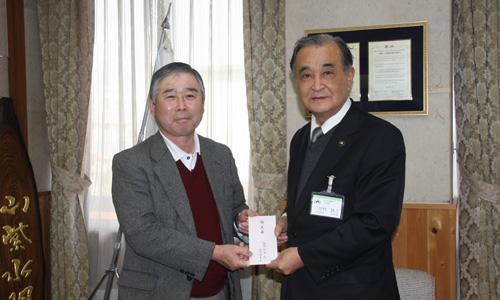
327	203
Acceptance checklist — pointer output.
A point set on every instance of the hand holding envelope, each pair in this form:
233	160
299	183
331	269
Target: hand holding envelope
281	230
232	257
242	220
288	260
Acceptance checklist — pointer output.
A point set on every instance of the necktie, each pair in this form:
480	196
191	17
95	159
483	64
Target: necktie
317	133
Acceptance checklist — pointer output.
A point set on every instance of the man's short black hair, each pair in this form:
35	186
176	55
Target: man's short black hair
170	69
320	40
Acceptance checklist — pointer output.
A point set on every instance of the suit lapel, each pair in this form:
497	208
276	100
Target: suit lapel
214	169
340	142
166	170
295	166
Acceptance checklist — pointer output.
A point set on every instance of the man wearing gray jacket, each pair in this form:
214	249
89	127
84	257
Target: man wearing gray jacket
177	196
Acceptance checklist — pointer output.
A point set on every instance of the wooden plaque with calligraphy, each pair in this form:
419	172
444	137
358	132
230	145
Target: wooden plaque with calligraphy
21	251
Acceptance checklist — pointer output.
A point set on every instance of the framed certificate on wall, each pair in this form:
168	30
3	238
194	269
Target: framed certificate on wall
390	63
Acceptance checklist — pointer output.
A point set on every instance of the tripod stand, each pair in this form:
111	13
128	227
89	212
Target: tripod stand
112	271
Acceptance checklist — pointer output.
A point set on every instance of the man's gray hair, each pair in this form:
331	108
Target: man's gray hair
320	40
171	69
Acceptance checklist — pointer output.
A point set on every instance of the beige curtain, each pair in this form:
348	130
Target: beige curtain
476	42
265	73
66	37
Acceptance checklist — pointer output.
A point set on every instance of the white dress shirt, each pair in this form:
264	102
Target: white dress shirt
333	120
188	159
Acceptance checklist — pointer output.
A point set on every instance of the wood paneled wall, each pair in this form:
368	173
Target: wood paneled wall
426	240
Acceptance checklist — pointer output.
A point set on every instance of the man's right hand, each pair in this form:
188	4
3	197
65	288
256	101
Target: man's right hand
232	257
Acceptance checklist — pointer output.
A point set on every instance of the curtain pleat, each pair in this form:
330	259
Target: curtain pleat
265	73
66	36
476	53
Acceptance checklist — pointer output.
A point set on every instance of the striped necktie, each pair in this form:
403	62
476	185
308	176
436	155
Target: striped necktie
317	133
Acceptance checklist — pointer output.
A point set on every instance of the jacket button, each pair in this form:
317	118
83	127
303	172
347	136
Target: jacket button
189	278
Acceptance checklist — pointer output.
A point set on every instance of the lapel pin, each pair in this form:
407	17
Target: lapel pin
341	143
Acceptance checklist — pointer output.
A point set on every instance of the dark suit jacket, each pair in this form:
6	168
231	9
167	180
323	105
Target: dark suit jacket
349	258
163	252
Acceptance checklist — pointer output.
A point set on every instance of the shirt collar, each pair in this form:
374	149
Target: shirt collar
333	120
177	152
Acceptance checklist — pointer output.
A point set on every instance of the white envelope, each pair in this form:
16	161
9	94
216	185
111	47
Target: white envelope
262	241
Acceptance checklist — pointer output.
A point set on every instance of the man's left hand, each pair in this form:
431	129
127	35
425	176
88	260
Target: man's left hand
287	262
242	220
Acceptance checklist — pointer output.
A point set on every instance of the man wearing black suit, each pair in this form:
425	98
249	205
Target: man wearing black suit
345	186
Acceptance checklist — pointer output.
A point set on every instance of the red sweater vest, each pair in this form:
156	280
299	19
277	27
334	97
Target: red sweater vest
206	220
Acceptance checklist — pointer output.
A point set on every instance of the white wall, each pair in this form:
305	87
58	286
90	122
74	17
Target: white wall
428	138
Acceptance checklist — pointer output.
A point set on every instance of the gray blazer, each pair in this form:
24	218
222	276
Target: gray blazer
163	252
